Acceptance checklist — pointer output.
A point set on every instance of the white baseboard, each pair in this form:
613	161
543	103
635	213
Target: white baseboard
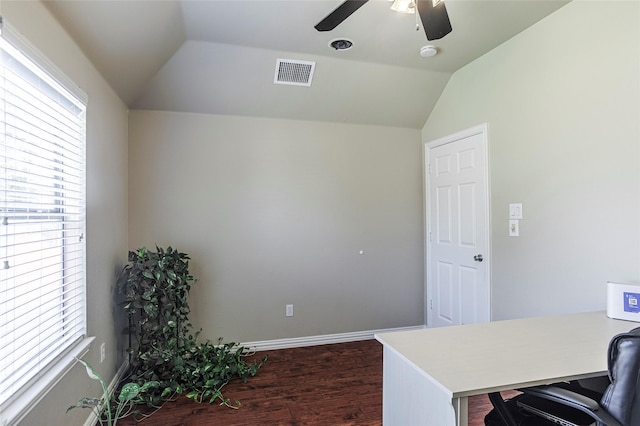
93	419
298	342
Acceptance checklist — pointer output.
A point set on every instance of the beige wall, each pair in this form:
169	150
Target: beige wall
275	212
562	100
106	205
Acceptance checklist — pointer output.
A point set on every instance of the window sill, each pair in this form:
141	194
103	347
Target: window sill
15	410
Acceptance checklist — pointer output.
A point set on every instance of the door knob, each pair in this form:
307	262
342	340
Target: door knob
478	258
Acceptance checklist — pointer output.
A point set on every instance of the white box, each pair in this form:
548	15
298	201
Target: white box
623	301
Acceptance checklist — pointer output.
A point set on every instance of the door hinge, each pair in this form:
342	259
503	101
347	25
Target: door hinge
431	304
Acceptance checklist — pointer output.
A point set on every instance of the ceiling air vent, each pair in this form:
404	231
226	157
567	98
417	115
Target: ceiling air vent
295	73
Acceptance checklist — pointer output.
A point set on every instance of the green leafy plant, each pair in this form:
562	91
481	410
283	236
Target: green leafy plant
156	285
163	347
209	367
109	410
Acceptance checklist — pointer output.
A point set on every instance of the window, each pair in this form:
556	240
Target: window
42	218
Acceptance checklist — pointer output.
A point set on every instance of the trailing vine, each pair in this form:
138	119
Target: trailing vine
163	347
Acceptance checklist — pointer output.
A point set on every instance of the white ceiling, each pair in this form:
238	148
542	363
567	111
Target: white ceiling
219	56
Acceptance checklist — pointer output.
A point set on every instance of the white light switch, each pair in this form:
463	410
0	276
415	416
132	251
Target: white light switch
514	228
515	211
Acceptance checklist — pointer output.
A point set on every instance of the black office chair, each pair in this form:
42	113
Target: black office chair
545	405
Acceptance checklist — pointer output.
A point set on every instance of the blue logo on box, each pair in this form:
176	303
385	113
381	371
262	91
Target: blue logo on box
631	302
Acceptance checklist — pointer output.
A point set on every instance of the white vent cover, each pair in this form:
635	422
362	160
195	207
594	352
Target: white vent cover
295	73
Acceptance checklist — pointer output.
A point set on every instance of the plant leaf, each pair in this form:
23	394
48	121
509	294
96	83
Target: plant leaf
128	392
90	371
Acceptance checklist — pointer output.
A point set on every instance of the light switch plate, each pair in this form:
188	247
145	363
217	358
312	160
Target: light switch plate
514	228
515	211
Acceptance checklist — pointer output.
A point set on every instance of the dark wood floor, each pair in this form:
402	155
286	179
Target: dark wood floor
339	384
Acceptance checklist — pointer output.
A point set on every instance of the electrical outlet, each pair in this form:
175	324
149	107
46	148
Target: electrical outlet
289	310
103	352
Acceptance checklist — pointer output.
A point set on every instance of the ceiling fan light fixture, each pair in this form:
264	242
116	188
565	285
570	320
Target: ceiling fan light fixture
404	6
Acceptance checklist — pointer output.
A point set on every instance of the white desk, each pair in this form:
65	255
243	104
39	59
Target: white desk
428	374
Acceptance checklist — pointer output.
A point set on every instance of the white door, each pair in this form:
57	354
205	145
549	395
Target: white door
457	237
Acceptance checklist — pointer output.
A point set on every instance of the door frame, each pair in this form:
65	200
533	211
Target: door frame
482	130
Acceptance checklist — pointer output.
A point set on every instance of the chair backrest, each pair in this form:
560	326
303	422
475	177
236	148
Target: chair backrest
621	399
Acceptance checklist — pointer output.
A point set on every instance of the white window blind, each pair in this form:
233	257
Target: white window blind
42	219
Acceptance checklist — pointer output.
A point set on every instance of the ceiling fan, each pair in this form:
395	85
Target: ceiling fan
433	15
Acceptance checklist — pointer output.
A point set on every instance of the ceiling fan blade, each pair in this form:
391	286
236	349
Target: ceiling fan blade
341	13
435	19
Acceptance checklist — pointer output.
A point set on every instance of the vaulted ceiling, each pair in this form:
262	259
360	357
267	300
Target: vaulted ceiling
219	56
